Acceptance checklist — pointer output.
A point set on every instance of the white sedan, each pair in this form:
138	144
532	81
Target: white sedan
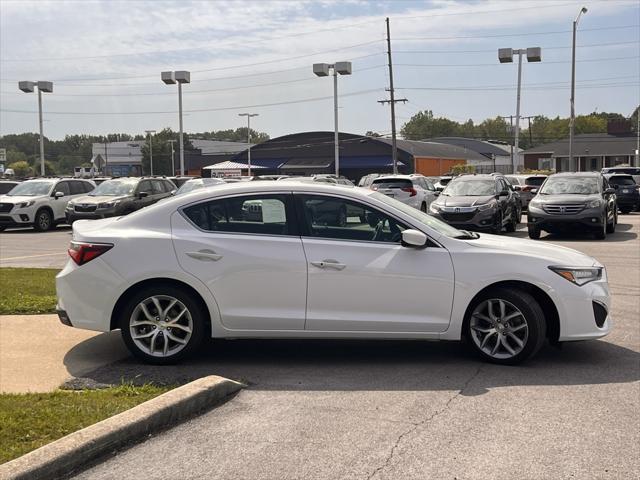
268	260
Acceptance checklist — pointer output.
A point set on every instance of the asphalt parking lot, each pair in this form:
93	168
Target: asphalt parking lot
24	247
390	410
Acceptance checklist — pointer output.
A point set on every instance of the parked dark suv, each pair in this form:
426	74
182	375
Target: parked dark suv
573	201
119	196
627	192
478	202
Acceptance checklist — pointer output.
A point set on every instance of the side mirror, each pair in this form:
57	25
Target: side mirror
143	194
609	191
58	195
414	238
534	191
517	188
173	192
437	193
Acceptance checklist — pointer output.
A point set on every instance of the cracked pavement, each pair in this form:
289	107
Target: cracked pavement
409	410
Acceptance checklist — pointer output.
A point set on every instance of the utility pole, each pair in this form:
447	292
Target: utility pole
150	133
106	154
173	165
572	119
392	101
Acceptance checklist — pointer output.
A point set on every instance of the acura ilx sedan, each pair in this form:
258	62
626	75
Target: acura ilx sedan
261	260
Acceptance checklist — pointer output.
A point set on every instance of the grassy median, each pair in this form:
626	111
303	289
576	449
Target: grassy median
28	421
27	290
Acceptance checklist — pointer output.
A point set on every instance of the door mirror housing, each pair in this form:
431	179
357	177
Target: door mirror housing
437	193
143	194
58	195
609	191
534	191
414	238
517	188
173	192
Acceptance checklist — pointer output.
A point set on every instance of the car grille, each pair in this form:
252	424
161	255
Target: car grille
457	217
567	209
85	208
5	207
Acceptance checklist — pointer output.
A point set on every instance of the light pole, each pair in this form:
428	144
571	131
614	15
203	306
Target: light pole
173	165
505	55
43	86
149	133
179	77
572	120
323	70
248	115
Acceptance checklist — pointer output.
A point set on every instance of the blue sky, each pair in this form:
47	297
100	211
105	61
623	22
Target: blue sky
105	58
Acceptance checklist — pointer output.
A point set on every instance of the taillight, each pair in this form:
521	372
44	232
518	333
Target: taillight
410	190
82	253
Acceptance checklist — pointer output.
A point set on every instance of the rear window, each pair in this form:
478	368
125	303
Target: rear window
620	180
535	181
445	181
393	183
628	171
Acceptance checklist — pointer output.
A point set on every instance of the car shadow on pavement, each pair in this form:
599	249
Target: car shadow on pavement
346	365
621	235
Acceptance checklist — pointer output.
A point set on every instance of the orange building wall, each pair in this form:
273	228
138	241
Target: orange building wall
431	167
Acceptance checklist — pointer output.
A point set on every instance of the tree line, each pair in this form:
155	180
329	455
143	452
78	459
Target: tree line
62	156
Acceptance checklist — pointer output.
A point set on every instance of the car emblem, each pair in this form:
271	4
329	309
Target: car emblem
562	209
457	210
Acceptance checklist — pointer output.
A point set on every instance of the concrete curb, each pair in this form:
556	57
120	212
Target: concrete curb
69	453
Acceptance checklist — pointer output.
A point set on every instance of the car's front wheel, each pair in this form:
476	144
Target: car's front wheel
162	324
534	232
496	228
43	220
611	227
506	326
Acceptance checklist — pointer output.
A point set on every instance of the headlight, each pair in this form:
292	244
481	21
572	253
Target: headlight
25	204
70	206
487	206
108	204
535	203
593	204
579	275
433	208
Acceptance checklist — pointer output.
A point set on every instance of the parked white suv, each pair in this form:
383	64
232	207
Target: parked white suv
414	190
41	202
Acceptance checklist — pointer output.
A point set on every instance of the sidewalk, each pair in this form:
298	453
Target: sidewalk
38	353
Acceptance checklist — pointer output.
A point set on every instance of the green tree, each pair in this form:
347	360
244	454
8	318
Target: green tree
162	152
424	125
20	169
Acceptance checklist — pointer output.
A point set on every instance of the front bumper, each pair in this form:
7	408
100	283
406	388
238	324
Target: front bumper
72	215
586	311
16	219
590	218
473	220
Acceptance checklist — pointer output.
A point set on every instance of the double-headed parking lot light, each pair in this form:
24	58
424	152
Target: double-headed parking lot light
171	78
323	70
43	86
505	55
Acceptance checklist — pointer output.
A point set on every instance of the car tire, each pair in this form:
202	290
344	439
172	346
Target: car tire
506	326
513	224
534	232
625	211
150	336
611	227
601	233
43	220
423	207
2	229
496	228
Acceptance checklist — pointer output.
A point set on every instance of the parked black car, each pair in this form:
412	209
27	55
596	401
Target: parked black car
119	196
627	192
573	201
478	202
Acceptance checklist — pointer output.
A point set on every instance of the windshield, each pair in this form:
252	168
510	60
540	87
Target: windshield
471	188
115	188
437	225
620	180
570	186
31	189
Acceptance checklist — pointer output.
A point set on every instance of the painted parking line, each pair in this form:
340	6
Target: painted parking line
33	256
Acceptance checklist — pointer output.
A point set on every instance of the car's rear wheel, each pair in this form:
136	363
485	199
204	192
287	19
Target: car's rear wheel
43	220
625	211
506	326
162	324
423	207
496	228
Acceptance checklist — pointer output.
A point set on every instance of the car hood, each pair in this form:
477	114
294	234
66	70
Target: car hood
566	199
98	199
555	254
463	201
20	198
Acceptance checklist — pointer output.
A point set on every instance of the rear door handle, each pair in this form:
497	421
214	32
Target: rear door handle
334	264
205	255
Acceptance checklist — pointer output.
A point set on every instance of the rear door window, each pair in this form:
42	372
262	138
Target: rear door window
535	181
76	187
145	186
63	187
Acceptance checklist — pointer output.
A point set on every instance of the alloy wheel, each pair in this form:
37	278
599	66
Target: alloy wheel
499	329
44	221
161	326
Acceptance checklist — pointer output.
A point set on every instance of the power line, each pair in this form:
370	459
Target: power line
556	47
604	59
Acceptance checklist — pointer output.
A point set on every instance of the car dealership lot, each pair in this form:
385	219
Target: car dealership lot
338	409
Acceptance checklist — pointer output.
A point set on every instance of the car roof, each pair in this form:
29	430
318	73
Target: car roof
477	176
577	174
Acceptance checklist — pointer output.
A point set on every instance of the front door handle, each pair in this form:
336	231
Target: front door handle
205	255
329	264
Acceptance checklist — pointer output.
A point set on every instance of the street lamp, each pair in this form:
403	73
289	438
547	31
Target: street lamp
572	120
248	115
171	78
149	133
505	55
323	70
47	87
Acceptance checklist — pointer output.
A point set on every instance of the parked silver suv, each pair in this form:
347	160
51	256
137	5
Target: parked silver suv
414	190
